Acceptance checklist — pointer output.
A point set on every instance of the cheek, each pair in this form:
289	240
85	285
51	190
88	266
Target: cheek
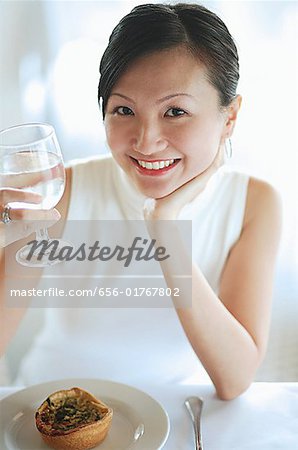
205	158
114	140
110	135
203	148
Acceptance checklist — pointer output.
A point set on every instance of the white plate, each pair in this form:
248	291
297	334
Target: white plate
139	422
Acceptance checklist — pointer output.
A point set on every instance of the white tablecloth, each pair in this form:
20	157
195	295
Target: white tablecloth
265	417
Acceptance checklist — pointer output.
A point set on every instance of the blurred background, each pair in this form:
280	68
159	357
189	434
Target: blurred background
49	57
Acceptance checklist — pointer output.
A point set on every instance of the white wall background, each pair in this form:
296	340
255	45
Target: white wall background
49	58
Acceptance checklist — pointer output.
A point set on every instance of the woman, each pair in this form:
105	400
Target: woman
168	92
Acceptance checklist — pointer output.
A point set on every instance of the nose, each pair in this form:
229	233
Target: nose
148	138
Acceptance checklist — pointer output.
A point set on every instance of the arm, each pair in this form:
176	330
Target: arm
229	332
16	235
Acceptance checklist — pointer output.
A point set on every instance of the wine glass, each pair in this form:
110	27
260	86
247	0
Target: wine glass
31	160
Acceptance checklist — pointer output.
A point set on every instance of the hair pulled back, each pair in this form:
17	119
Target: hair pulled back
154	27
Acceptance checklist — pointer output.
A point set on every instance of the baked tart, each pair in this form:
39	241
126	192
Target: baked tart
73	419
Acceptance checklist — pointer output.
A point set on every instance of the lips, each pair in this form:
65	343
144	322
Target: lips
155	167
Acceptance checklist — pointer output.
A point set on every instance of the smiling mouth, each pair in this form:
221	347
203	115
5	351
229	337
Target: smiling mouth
155	166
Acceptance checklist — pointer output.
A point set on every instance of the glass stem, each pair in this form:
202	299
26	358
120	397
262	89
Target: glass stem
42	234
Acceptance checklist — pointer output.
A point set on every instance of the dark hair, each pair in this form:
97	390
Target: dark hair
152	27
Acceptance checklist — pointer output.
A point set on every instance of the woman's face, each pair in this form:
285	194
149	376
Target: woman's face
163	122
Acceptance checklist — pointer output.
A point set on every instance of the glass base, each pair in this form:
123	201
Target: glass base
44	254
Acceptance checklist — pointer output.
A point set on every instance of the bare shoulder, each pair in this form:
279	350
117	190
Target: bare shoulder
263	204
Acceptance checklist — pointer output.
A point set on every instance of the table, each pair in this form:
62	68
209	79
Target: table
265	417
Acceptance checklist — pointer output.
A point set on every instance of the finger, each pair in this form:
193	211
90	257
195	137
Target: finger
30	178
34	215
21	229
10	195
20	180
27	179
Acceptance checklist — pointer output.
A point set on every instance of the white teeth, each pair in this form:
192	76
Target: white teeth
156	165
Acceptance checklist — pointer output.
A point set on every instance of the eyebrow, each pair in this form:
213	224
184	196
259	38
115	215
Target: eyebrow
161	100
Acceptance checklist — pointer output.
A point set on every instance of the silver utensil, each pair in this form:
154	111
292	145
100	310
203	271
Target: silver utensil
194	406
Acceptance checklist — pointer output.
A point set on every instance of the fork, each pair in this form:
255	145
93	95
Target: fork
194	406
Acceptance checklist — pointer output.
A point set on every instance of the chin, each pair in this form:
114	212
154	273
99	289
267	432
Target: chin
156	192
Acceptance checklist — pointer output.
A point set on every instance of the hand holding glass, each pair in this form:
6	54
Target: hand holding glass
31	161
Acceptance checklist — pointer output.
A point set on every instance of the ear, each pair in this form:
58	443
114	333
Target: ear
231	113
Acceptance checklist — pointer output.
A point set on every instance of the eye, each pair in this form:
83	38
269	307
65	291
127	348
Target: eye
123	111
175	112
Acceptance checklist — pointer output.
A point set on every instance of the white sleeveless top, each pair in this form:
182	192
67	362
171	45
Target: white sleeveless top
133	345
